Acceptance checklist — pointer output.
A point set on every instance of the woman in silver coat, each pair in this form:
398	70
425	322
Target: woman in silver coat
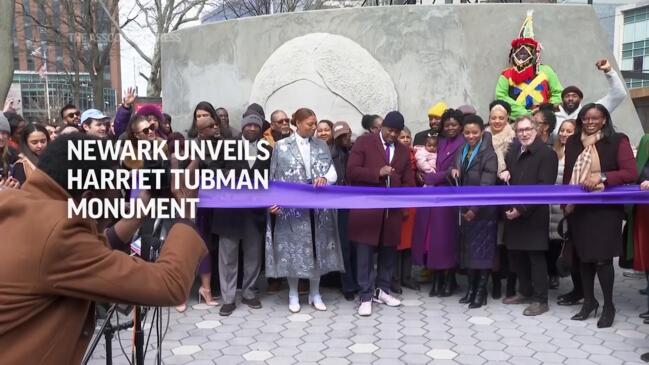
303	243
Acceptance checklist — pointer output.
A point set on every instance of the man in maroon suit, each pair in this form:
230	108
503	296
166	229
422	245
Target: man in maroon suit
378	160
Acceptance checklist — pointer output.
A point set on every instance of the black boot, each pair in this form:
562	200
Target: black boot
510	290
480	298
434	290
607	317
497	287
471	287
447	287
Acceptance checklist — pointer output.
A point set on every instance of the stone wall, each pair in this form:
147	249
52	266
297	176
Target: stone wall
347	62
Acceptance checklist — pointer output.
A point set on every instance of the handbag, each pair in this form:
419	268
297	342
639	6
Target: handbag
565	260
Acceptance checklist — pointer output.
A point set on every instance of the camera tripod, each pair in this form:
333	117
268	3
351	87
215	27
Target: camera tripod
152	234
108	331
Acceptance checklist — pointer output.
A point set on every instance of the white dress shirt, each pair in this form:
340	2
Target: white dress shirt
384	147
304	146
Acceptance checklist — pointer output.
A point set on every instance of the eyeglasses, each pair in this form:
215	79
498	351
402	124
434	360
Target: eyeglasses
283	121
73	114
524	130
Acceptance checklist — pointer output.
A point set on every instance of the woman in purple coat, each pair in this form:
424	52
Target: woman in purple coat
434	241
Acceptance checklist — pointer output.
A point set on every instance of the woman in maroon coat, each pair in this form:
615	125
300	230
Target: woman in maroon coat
434	241
597	157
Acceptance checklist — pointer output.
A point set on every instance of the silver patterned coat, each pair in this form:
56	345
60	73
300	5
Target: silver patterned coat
289	244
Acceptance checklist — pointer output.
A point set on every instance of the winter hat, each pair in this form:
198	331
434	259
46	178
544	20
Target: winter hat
467	109
341	128
394	120
150	109
257	109
4	123
572	89
252	119
437	110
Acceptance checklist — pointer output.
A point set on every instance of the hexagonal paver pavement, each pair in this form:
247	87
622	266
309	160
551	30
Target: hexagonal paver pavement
257	356
423	330
186	350
442	354
363	348
299	317
208	324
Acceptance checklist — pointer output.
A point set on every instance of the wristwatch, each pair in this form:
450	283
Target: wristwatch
603	178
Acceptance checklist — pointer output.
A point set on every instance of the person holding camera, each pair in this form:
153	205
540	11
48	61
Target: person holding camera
52	267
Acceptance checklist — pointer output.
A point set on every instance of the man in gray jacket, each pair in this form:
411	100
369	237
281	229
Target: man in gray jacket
572	97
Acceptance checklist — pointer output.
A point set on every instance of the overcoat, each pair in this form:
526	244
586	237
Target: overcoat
477	248
364	162
536	166
295	247
434	240
596	229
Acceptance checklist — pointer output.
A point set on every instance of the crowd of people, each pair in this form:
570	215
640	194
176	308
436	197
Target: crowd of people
570	143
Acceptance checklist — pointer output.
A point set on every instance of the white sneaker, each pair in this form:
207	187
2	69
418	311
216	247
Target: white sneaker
316	302
294	304
384	298
365	309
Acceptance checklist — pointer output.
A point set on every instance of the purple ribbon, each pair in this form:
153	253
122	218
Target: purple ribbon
291	195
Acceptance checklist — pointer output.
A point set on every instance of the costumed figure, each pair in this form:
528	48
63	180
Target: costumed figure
527	83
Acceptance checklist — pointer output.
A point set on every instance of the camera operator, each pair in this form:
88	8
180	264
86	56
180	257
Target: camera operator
52	268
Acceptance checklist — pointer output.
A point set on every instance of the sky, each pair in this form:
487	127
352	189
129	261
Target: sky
132	63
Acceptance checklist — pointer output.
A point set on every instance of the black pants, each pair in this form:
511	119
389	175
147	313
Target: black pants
532	271
552	254
348	278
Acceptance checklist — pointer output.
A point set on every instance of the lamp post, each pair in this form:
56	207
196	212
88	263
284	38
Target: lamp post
42	72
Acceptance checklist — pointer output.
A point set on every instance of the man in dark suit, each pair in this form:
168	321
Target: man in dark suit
243	227
378	160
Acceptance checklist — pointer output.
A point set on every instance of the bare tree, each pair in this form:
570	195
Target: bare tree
6	47
159	18
83	31
232	9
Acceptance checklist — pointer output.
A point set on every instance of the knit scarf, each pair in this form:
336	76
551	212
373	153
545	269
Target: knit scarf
501	143
588	161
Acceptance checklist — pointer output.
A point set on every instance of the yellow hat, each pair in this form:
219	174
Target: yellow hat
438	109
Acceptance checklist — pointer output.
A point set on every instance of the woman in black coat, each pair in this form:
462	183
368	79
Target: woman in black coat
476	164
596	158
527	226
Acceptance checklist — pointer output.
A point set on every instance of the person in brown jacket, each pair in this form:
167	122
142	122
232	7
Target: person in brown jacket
52	268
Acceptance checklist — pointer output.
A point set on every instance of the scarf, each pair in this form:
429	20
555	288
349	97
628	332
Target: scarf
588	161
501	143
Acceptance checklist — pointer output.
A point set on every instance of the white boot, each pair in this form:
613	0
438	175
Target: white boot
316	302
294	304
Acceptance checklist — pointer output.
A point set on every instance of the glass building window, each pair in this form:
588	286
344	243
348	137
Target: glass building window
635	44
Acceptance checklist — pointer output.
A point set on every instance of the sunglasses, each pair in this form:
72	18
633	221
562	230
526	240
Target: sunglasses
283	121
75	114
148	129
